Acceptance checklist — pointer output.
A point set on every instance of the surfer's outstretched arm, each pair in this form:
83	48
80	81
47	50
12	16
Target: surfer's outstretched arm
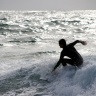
78	41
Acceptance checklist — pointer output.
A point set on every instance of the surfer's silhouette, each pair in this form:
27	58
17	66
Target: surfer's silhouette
74	58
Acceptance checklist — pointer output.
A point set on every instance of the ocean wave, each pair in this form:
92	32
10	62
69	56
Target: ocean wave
18	41
26	39
23	78
73	82
43	53
68	81
4	25
3	18
63	23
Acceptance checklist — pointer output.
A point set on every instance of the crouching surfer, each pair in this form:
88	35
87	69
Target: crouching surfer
74	58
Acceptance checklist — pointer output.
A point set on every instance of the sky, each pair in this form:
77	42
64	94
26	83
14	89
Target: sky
47	5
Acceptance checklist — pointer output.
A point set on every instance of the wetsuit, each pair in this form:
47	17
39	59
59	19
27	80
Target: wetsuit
74	58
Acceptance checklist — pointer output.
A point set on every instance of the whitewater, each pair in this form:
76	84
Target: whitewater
29	50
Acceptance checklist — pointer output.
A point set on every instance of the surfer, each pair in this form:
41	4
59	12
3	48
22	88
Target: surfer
74	58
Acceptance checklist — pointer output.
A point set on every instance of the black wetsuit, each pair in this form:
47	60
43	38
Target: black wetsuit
74	58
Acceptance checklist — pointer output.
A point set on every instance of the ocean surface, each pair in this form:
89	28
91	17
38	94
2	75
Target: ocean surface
29	50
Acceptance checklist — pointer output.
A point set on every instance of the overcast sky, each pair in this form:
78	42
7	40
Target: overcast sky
47	4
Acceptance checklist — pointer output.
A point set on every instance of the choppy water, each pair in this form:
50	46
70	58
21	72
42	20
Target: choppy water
29	50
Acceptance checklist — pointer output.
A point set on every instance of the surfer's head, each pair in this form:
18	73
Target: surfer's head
62	43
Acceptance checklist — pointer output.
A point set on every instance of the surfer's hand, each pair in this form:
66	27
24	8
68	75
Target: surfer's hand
52	71
83	42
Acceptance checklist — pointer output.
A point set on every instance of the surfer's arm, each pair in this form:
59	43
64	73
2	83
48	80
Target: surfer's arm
58	63
77	41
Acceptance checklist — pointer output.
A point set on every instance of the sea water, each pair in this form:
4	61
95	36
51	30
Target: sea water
29	50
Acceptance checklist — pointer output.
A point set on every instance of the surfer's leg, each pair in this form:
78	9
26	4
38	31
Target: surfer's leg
69	61
64	63
79	62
